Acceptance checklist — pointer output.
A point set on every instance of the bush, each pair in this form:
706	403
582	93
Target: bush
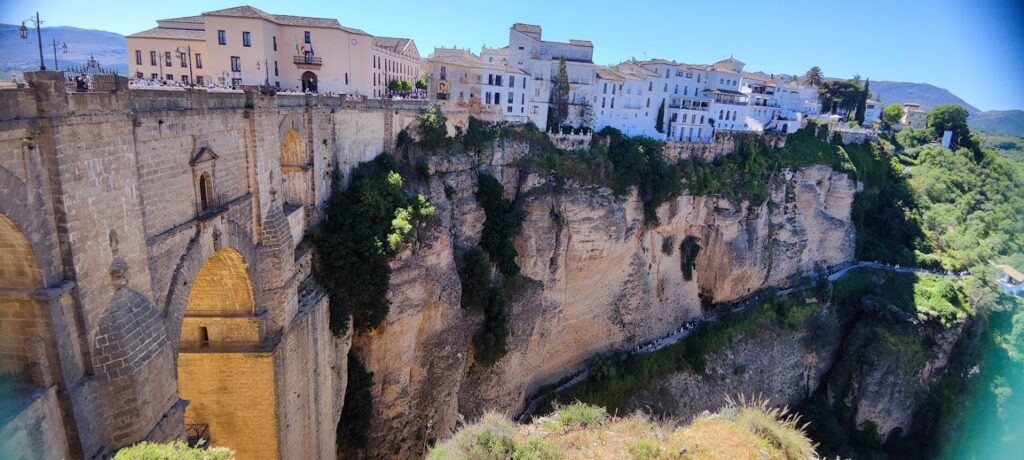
492	438
491	342
503	222
475	277
432	128
175	450
578	414
909	137
689	249
365	226
668	245
358	410
778	427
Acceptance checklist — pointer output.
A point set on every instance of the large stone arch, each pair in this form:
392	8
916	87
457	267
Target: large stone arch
23	208
207	241
20	317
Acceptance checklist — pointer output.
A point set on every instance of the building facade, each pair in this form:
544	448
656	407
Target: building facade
394	59
489	90
914	116
247	46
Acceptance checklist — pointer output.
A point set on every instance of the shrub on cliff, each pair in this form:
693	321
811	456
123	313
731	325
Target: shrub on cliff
365	226
503	222
475	276
177	450
738	431
491	341
355	415
432	128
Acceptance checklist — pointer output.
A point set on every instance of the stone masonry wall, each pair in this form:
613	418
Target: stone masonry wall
104	187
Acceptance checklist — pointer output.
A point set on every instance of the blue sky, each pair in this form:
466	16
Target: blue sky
974	48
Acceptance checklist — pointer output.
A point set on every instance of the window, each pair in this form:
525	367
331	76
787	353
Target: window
488	97
524	82
510	109
236	64
346	78
169	77
138	74
184	79
721	81
666	73
199	61
275	69
613	89
613	103
307	38
167	59
490	79
138	57
497	80
511	97
686	91
605	91
522	99
511	81
650	86
274	39
602	102
154	76
648	102
204	337
246	39
222	37
698	78
205	192
184	59
199	80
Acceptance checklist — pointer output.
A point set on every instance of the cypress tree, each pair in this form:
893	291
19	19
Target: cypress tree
863	103
659	124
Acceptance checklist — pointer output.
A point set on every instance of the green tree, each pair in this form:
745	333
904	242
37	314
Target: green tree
394	85
814	76
421	83
951	117
586	114
558	109
405	85
840	96
432	127
659	124
863	104
892	114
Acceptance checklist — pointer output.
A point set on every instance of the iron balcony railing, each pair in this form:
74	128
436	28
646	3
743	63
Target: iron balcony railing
198	434
308	60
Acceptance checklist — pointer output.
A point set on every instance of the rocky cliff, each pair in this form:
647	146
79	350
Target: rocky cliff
594	279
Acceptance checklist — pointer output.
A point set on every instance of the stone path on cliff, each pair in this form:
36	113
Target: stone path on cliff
534	402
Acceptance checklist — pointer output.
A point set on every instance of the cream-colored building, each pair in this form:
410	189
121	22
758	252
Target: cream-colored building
914	116
462	81
394	59
247	46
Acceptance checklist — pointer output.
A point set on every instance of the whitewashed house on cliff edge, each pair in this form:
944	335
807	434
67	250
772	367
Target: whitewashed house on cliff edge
247	46
540	58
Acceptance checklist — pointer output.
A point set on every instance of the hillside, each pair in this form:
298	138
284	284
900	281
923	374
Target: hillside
1004	121
19	55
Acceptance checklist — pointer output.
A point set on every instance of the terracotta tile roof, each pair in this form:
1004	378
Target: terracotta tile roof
391	43
526	28
190	19
607	73
282	19
1012	273
165	32
587	43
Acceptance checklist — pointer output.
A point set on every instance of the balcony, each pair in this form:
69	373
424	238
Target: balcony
307	60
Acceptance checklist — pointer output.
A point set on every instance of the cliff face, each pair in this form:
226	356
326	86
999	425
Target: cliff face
595	279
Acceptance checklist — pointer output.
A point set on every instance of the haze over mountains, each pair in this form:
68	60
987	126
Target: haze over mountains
109	49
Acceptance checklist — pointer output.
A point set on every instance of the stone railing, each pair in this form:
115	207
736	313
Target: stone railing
571	141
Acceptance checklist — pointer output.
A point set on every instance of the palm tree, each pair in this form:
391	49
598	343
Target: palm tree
814	77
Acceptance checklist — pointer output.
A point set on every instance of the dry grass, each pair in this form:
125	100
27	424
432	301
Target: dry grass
744	430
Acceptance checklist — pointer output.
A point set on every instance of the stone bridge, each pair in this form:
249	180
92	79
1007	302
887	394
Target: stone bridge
149	276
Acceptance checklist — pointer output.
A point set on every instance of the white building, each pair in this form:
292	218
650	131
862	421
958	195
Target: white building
493	91
873	111
540	60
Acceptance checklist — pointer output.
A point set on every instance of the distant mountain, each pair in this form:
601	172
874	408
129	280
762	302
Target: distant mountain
1004	121
927	95
17	54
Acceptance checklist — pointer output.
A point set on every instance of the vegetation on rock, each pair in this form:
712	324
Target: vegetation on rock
503	222
366	225
175	450
740	430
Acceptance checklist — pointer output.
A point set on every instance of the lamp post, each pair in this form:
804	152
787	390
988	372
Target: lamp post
266	67
23	31
64	48
181	53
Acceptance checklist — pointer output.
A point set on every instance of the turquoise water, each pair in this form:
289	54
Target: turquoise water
993	424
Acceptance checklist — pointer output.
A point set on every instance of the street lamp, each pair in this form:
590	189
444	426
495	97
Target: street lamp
23	32
181	53
266	67
64	49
